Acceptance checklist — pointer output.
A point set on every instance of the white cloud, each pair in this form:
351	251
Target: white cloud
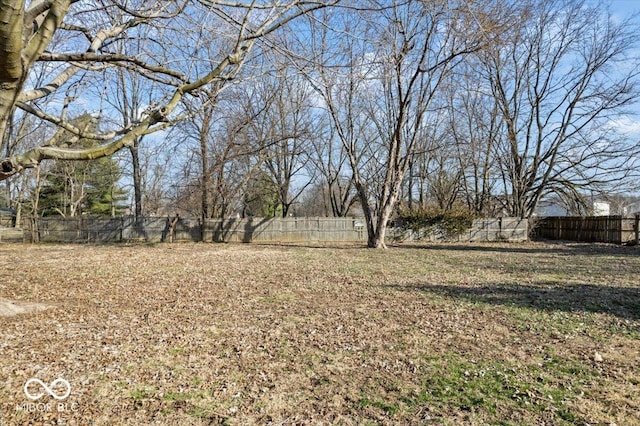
626	125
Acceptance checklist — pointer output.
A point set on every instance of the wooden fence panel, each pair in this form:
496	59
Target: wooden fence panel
488	229
499	229
290	230
604	229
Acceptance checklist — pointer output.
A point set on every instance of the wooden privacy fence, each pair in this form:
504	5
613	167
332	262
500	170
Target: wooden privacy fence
499	229
157	229
86	229
290	230
604	229
488	229
259	230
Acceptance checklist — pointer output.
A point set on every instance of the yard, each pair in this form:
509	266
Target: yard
199	334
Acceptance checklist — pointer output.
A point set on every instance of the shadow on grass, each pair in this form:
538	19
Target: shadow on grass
559	247
622	302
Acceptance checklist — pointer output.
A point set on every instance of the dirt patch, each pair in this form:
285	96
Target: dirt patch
10	307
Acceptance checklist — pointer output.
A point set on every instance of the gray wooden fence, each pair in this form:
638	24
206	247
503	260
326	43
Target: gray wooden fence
120	229
11	235
290	230
258	230
157	229
605	229
488	229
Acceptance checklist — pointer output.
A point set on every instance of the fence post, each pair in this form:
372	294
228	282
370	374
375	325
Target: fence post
636	227
35	236
580	226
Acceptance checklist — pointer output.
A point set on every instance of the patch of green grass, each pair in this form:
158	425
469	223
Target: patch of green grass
143	392
184	396
389	408
199	412
486	388
176	351
177	396
626	329
363	402
553	322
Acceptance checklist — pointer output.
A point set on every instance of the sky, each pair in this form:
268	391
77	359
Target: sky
622	9
625	6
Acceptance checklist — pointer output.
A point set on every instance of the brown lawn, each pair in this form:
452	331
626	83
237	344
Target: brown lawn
199	334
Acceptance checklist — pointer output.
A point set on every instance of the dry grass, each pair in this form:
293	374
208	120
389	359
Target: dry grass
205	334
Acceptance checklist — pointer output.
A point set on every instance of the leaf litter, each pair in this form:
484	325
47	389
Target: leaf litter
236	334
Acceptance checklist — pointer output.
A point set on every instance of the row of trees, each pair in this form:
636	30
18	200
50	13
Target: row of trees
320	107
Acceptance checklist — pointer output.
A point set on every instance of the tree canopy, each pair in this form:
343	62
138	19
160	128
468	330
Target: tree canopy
181	46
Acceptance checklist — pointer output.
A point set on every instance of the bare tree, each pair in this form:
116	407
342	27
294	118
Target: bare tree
476	130
558	79
24	131
130	99
379	89
199	127
221	158
444	179
282	129
329	160
88	30
433	175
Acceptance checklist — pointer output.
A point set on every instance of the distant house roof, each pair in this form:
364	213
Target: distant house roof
6	211
554	207
550	208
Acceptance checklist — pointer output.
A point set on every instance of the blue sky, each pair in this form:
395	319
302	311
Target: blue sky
629	124
625	6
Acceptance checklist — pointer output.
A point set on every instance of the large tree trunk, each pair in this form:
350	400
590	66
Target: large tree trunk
11	68
22	41
376	226
7	102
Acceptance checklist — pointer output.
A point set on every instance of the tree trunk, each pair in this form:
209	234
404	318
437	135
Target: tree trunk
171	228
376	226
7	102
137	180
410	185
11	63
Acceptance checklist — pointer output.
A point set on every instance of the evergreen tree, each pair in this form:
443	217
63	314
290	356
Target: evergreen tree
83	187
104	196
73	188
261	197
